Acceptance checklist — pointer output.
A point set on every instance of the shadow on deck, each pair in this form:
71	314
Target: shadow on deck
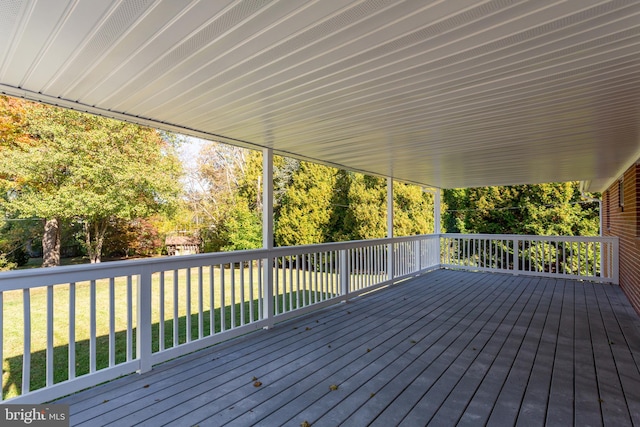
446	348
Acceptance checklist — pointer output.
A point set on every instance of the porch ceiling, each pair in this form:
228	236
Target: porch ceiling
443	93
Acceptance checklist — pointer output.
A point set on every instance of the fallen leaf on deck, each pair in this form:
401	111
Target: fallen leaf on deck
257	384
305	424
333	387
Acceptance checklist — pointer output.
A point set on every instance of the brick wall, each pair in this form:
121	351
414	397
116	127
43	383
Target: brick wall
622	218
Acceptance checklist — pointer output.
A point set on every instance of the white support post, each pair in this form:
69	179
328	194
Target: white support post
437	228
390	255
602	244
143	328
267	235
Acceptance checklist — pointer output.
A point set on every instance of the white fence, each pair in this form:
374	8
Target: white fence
70	328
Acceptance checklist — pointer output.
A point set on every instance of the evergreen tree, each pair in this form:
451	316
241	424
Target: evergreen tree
544	209
306	206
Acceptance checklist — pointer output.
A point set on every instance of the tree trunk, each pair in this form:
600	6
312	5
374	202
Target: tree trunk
51	243
86	226
95	241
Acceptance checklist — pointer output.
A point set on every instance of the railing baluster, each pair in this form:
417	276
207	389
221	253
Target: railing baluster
92	326
130	319
251	310
160	312
516	256
212	299
49	356
313	277
187	330
579	259
112	322
265	287
298	298
26	350
280	295
242	308
223	302
71	365
305	291
200	304
232	293
290	268
176	315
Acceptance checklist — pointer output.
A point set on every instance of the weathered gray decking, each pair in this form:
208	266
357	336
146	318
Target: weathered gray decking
447	348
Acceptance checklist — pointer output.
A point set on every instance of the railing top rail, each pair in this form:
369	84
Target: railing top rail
532	237
21	279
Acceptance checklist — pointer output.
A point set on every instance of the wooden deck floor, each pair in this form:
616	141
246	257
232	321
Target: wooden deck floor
447	348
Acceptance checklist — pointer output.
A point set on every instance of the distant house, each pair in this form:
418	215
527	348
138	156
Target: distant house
182	245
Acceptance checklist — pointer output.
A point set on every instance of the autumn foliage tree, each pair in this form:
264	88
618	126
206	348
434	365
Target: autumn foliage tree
62	165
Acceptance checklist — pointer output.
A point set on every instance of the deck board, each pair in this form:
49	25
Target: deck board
446	348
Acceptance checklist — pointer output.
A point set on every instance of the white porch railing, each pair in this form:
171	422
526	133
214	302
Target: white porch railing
74	327
91	323
582	258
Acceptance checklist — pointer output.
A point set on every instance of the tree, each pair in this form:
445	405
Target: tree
242	228
412	210
544	209
14	236
126	238
306	206
366	215
76	166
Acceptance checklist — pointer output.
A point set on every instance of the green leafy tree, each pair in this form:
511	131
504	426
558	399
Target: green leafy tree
242	228
88	169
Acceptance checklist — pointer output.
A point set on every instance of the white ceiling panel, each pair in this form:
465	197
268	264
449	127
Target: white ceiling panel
443	93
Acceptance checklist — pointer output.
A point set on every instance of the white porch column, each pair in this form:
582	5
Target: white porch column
437	228
390	249
267	234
